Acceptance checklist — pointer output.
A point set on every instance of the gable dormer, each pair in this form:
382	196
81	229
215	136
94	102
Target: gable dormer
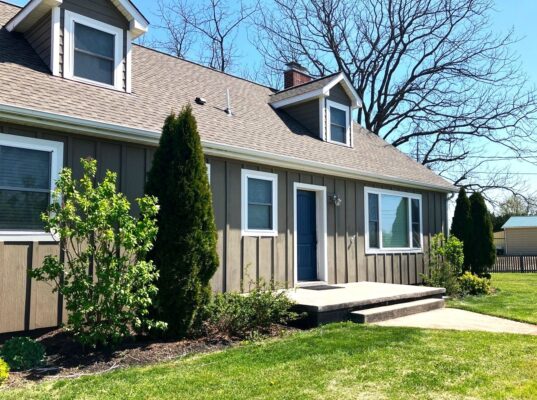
324	106
86	41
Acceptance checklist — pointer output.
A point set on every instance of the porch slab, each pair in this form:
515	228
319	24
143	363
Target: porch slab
324	305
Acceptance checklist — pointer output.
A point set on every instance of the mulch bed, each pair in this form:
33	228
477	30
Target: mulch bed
68	359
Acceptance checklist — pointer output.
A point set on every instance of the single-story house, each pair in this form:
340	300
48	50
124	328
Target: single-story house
301	192
520	236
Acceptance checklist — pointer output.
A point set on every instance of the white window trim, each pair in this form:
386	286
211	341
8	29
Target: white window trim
267	176
56	148
346	109
322	236
382	250
208	166
69	44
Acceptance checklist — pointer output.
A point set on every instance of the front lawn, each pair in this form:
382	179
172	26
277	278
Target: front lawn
516	298
339	361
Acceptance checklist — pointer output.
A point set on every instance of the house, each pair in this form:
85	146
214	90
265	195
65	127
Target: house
520	236
301	192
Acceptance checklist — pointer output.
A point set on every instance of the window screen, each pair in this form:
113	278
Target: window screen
338	125
260	204
94	54
24	187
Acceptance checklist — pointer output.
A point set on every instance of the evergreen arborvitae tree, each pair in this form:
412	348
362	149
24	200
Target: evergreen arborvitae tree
461	224
185	249
482	250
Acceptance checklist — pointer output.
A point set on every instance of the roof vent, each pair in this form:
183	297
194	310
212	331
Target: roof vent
201	101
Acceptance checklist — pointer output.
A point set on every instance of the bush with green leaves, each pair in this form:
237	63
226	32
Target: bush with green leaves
473	285
446	260
22	353
104	278
243	315
4	372
185	249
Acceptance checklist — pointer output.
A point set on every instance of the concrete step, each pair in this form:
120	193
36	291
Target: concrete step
395	311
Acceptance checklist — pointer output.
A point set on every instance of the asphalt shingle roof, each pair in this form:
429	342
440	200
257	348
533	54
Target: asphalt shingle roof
162	83
304	88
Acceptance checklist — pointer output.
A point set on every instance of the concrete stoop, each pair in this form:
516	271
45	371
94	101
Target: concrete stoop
384	313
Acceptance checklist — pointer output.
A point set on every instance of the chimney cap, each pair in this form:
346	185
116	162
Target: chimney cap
295	65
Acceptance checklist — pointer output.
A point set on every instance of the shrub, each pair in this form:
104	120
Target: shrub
105	280
446	260
482	250
247	315
23	353
4	371
461	225
473	285
185	249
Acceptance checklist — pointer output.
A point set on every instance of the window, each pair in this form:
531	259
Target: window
393	221
259	203
28	169
94	51
338	123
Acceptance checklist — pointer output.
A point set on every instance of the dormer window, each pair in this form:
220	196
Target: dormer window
338	123
94	51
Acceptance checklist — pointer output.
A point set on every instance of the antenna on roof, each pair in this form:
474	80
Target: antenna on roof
228	109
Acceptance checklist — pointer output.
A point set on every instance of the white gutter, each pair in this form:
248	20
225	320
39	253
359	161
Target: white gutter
42	119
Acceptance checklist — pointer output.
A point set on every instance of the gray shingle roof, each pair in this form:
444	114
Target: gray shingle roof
304	88
162	84
521	222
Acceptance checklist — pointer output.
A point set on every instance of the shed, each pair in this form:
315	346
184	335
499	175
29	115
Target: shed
521	236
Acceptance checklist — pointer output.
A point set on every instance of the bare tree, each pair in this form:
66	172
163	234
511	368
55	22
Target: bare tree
435	79
208	26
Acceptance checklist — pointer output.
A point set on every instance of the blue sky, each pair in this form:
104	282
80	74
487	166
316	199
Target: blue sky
517	14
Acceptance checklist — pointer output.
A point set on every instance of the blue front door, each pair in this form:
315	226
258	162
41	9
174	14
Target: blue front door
306	236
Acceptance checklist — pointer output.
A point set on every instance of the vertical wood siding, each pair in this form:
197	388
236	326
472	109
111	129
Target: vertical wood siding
246	258
26	304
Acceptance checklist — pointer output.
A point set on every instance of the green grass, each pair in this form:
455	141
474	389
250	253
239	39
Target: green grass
339	361
516	298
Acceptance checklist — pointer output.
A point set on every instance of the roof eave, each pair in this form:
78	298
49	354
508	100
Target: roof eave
36	9
67	123
30	14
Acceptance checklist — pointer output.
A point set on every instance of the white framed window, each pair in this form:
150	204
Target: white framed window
259	205
93	51
393	221
208	166
29	169
338	123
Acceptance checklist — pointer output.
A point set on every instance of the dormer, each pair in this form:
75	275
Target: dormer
324	106
81	40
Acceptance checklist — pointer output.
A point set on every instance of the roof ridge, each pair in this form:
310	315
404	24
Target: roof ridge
308	83
202	66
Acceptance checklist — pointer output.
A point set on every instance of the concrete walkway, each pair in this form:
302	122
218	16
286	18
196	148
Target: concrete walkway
451	318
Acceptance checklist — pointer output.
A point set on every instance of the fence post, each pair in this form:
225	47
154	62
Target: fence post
522	264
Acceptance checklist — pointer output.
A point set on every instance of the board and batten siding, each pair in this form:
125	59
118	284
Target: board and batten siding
26	304
521	241
246	258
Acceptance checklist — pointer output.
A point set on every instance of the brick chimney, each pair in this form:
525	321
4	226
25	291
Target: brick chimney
295	75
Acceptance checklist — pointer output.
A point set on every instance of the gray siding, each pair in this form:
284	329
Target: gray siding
307	114
246	258
102	10
26	304
39	37
338	94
